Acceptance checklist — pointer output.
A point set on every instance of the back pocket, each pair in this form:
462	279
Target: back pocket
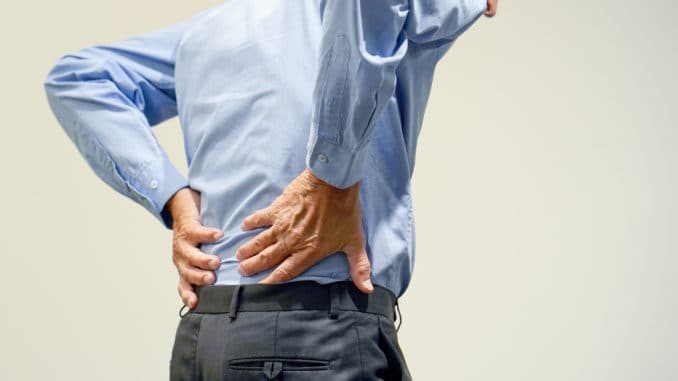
271	367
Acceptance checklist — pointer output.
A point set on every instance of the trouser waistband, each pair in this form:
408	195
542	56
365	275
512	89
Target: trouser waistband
296	295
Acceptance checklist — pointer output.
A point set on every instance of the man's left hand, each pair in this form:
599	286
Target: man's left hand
308	221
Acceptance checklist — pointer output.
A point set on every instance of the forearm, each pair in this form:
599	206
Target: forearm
361	46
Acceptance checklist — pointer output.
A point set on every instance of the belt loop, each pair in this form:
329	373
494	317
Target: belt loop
400	316
334	300
235	301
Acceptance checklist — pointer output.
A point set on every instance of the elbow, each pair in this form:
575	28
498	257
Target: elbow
63	84
53	83
72	80
59	76
64	70
57	84
75	67
52	77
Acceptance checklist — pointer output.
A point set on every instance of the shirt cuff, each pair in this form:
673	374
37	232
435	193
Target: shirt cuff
157	184
335	165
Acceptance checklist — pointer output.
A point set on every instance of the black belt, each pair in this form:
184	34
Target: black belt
296	295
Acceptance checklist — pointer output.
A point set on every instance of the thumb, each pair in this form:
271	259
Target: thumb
360	269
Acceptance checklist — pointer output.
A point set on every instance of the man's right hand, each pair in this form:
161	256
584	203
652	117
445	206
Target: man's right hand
194	267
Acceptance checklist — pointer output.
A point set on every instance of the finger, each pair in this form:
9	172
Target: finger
292	266
359	268
196	258
187	294
261	217
255	245
491	8
194	275
267	258
199	233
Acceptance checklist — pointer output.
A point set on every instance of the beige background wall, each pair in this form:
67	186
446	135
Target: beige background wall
545	197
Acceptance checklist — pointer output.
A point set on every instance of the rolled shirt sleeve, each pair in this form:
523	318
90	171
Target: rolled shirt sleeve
107	97
362	44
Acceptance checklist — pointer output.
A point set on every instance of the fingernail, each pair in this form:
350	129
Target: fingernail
368	284
215	264
218	234
208	279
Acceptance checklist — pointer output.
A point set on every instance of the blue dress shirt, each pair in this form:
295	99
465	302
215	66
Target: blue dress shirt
264	89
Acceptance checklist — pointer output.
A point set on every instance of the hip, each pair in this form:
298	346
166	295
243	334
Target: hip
301	331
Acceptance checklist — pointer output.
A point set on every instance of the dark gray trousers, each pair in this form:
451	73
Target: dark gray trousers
292	331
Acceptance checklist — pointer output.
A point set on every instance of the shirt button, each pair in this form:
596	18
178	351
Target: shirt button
154	184
322	158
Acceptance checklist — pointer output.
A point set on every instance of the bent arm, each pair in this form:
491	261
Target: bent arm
362	44
107	97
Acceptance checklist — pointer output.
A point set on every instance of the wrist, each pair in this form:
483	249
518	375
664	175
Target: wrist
177	204
318	182
346	197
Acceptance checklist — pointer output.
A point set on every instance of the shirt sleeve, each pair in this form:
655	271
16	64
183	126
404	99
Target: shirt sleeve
106	98
363	42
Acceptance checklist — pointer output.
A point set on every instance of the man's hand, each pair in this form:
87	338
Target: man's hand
491	8
309	221
194	266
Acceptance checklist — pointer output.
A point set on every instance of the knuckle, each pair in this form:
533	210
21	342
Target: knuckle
364	269
186	274
178	249
277	229
192	258
294	236
283	274
313	243
204	260
195	277
181	233
284	246
266	258
188	231
364	265
188	253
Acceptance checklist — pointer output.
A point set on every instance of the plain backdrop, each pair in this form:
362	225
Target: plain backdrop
544	189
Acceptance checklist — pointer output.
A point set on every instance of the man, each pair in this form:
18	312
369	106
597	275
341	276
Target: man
327	231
